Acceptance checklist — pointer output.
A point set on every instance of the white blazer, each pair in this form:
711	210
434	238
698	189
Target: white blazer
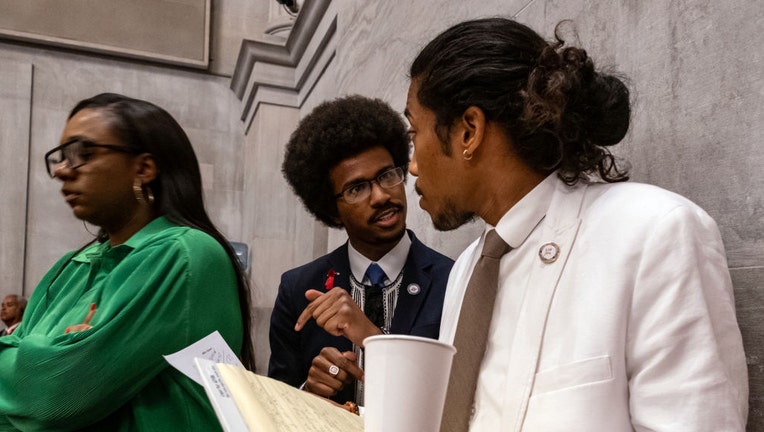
633	327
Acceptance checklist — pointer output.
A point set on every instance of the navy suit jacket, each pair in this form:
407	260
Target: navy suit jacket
292	352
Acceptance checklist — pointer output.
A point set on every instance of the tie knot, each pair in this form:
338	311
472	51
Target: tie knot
375	274
494	246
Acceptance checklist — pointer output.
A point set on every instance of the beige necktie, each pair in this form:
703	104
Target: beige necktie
471	334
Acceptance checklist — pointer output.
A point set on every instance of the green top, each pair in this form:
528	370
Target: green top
165	288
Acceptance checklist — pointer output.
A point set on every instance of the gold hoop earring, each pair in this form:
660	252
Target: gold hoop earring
138	191
467	155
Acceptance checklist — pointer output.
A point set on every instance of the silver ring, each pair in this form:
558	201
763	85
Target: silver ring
334	370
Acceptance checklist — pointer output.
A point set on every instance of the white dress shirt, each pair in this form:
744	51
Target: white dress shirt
392	263
517	228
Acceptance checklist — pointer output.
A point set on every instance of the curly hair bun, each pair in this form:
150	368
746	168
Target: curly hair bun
609	110
565	90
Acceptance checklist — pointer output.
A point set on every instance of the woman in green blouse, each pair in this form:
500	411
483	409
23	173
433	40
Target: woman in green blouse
88	354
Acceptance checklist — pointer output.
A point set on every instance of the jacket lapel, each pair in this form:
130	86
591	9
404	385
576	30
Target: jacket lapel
415	272
560	226
340	263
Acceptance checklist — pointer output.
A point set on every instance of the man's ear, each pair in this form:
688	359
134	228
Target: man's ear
472	130
147	168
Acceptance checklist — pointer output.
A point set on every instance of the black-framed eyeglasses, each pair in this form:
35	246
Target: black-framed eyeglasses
361	190
76	153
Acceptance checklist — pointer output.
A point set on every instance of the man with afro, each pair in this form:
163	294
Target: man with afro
347	162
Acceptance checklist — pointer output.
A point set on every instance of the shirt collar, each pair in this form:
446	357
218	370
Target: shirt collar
520	221
392	263
159	224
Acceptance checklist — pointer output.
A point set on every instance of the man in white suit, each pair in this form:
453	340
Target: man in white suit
613	309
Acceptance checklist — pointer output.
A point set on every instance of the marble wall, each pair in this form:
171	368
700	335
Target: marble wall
15	113
234	20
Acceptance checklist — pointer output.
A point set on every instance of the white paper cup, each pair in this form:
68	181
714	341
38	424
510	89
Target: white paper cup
405	382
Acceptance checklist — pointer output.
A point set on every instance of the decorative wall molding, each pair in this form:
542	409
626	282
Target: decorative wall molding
284	74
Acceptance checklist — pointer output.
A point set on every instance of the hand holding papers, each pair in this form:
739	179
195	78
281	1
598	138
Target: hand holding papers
406	380
244	401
